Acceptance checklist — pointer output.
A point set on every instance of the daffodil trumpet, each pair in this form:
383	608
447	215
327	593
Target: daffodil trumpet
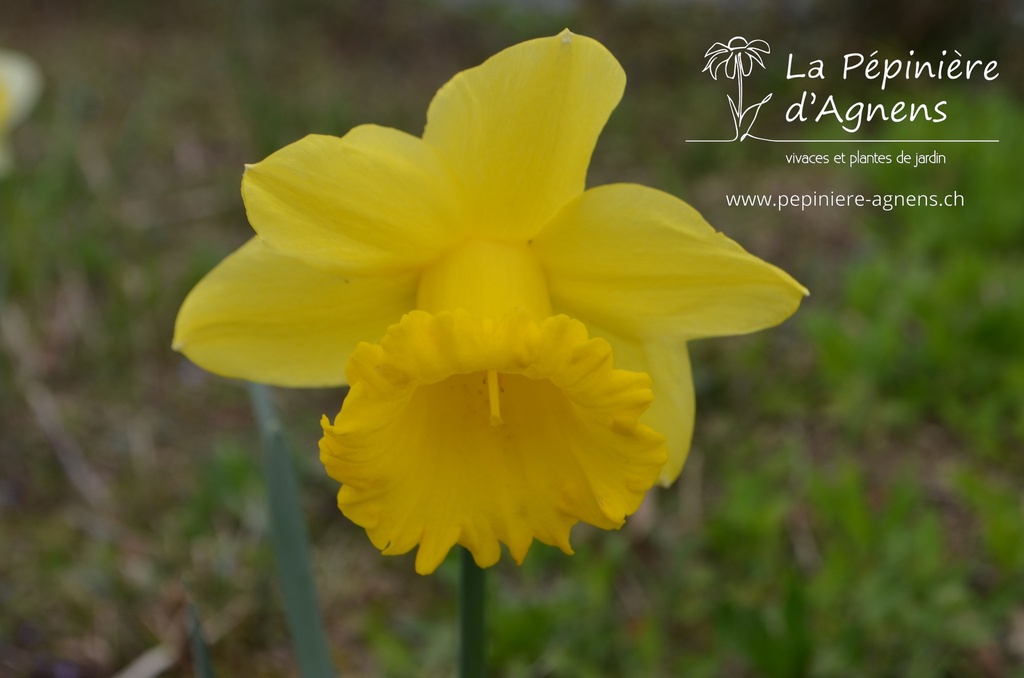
515	343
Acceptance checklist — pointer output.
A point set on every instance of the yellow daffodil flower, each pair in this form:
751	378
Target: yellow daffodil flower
474	296
20	83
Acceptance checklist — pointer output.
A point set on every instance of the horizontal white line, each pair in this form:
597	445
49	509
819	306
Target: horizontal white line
851	141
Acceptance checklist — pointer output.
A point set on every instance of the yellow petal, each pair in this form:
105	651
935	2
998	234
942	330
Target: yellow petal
374	201
266	317
644	264
520	128
673	410
20	83
426	456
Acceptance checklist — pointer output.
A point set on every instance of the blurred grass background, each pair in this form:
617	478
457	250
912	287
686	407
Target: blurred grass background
853	505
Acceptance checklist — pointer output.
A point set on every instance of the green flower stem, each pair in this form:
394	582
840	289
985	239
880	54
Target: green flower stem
471	617
197	646
289	541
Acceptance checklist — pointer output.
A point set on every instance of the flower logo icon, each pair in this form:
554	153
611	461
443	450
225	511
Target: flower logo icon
736	60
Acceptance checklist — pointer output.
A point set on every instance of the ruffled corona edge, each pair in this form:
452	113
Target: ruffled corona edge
472	431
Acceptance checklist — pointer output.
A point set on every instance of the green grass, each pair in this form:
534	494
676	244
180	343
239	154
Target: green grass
933	309
853	503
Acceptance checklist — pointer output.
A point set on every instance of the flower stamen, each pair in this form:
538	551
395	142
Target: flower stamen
492	395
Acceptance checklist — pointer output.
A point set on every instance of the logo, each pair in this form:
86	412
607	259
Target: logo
736	60
824	101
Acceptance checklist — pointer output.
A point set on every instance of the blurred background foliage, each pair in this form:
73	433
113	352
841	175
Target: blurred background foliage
853	505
